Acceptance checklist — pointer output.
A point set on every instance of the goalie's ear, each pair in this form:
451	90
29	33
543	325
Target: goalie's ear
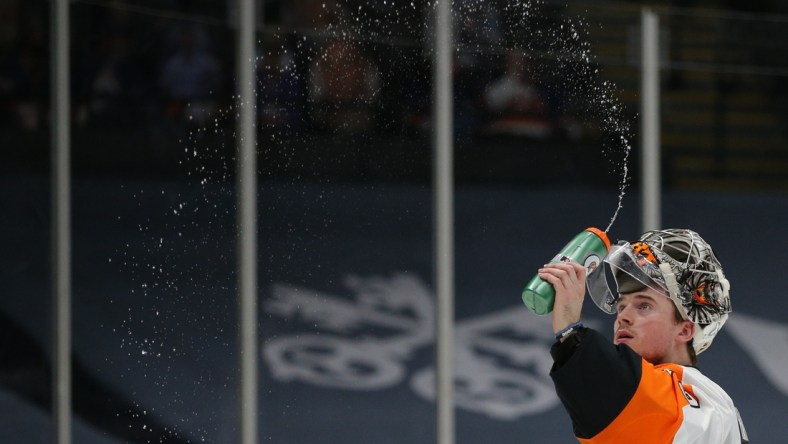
687	331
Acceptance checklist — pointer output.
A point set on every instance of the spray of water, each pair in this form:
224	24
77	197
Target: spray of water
566	63
180	267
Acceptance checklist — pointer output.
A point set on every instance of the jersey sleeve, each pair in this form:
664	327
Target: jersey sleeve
594	379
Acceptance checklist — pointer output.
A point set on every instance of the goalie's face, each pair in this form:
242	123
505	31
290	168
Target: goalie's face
646	321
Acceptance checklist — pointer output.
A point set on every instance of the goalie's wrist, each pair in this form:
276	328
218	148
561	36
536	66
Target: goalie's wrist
567	331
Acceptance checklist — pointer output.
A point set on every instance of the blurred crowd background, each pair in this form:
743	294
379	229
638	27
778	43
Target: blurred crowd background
145	75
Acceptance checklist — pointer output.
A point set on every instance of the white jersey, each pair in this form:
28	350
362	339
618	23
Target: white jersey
707	403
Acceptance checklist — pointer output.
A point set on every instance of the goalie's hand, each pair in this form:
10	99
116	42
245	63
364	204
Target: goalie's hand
569	281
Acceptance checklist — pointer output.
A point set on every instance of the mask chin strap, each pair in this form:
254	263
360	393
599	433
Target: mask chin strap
673	289
698	341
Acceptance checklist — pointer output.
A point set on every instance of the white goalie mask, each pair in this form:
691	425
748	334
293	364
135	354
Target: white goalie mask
674	262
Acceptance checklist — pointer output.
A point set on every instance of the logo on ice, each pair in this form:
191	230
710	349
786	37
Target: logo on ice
365	342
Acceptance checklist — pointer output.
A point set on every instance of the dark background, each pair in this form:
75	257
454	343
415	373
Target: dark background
345	209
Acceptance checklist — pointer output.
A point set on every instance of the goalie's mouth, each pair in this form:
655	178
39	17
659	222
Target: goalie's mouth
622	336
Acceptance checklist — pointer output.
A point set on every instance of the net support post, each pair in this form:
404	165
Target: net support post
651	168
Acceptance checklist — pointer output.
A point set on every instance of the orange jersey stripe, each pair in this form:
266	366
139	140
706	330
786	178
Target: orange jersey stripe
654	414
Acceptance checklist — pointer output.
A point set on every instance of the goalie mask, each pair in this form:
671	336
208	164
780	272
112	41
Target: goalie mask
674	262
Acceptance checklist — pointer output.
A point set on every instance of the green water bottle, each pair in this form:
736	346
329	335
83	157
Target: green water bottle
587	248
